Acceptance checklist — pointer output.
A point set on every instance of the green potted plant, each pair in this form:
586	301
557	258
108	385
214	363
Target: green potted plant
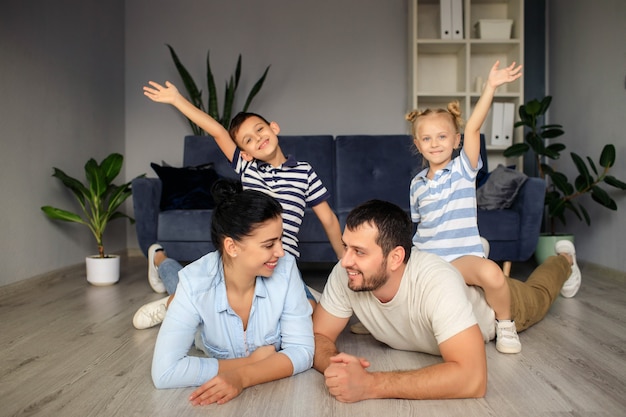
99	200
195	94
561	194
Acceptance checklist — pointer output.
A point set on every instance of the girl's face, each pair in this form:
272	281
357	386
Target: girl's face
436	139
258	253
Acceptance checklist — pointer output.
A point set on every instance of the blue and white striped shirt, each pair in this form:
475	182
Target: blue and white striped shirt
444	209
294	185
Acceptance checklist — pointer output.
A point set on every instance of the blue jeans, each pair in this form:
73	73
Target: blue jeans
168	272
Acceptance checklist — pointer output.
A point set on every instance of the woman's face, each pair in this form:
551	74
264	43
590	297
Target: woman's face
258	253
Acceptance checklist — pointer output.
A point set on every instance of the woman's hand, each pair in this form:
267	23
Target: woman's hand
262	353
220	389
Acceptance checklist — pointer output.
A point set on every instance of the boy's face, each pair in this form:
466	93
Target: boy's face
257	139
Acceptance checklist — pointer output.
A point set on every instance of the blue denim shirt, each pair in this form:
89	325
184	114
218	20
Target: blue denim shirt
280	316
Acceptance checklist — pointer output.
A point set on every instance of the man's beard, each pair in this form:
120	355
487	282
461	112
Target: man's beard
372	283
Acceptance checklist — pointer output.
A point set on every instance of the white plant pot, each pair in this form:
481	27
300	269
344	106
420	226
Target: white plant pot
103	271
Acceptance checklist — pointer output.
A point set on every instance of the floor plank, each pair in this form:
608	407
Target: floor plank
69	349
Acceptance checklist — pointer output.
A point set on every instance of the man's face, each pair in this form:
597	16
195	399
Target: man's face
363	259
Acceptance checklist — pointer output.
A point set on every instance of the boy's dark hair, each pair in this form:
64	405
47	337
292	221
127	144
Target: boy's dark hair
238	212
393	224
239	118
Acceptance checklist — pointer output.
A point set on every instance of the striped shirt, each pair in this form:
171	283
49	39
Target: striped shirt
294	185
444	209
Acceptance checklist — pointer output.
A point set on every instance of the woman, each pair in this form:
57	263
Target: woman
243	305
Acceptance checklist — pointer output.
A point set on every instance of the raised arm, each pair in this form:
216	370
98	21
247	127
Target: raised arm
463	374
170	95
331	226
497	77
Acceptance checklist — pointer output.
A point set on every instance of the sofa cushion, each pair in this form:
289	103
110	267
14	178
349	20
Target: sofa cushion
185	225
497	225
186	188
500	189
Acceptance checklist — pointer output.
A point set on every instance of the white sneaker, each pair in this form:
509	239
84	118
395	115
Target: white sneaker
153	274
571	286
151	314
507	340
486	247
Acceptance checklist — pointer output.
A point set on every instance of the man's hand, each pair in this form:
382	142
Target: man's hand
346	378
219	389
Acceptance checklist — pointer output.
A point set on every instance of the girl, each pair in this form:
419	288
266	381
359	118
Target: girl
443	199
243	305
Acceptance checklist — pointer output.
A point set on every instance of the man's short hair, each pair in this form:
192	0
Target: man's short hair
393	224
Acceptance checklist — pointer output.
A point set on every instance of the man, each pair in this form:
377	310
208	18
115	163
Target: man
412	300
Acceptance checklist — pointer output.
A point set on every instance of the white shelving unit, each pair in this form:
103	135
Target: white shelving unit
442	70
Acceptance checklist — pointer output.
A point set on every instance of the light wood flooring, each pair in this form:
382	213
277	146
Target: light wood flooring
69	349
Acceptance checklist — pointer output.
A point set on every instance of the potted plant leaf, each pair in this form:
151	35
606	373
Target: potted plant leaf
195	94
561	194
99	200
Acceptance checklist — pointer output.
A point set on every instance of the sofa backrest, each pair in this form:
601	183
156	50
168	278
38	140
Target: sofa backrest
374	167
317	150
200	150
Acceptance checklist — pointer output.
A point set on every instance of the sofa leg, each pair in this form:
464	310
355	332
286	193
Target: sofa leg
506	268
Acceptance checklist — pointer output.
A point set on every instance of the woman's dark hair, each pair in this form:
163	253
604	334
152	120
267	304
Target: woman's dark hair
238	212
238	120
393	224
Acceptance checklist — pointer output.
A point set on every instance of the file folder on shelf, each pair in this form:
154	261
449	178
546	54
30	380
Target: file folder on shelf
500	124
445	17
457	19
507	123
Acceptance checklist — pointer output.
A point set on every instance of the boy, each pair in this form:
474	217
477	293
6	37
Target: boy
251	145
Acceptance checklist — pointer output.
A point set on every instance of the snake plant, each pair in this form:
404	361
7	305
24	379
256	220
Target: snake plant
195	94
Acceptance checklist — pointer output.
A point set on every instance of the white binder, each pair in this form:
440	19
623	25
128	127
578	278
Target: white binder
496	137
508	115
445	17
457	19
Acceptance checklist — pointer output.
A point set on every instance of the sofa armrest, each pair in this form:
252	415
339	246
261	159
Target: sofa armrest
146	204
529	203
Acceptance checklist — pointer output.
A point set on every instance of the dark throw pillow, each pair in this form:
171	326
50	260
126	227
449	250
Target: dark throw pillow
500	189
186	188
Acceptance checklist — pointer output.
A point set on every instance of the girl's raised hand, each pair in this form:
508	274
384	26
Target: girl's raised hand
497	76
161	94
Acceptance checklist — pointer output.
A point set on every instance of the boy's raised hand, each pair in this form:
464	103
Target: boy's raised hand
161	94
498	76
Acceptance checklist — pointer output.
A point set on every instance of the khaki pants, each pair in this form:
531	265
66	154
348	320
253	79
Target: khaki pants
531	300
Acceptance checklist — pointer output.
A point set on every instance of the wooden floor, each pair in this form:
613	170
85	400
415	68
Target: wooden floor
69	349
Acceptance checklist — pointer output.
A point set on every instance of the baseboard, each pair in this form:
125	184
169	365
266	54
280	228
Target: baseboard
602	270
38	280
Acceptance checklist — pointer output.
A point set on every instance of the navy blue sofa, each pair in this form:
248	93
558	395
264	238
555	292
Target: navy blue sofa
354	169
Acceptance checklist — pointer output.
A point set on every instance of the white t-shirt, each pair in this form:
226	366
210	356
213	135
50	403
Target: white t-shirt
433	304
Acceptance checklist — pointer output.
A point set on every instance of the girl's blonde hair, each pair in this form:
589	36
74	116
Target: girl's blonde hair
453	111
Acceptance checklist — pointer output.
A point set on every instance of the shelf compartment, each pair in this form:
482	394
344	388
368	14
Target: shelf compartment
441	67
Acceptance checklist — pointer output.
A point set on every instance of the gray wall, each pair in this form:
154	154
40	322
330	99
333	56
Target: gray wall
72	71
587	71
62	89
